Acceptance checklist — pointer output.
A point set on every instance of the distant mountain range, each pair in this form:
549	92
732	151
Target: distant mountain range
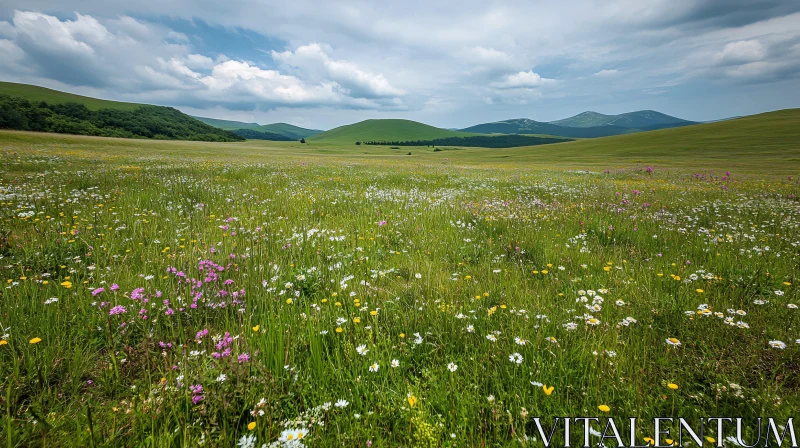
275	131
527	126
642	119
584	125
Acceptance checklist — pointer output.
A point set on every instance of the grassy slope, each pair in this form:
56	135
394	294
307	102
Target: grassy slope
390	130
37	94
772	137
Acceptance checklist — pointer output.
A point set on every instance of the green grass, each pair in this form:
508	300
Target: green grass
384	130
36	94
454	246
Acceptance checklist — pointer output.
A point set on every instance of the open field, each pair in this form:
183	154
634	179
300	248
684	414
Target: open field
162	293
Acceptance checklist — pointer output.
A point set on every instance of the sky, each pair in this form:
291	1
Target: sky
453	64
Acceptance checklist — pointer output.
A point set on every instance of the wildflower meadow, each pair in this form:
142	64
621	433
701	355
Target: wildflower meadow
186	299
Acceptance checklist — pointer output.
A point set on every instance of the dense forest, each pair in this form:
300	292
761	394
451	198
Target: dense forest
262	135
155	122
480	141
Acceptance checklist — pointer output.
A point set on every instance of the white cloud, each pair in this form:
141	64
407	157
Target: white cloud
133	56
741	52
52	35
607	73
485	56
312	58
178	37
9	52
198	61
528	79
270	85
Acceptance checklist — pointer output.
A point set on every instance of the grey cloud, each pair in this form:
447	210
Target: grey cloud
709	14
130	56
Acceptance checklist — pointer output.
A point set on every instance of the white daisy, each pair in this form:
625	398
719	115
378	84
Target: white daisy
777	344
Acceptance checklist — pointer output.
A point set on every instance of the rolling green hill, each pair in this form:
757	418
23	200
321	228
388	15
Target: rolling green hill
527	126
32	108
291	131
35	94
287	130
767	139
642	120
384	130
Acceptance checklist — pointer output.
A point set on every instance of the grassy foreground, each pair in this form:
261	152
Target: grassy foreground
175	294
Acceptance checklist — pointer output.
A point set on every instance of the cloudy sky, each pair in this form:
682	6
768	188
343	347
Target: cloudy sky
457	63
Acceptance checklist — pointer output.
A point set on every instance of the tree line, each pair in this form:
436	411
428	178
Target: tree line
261	135
156	122
479	141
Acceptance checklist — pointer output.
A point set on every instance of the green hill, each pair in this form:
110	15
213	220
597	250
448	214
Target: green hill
289	131
527	126
384	130
641	120
31	108
764	140
36	94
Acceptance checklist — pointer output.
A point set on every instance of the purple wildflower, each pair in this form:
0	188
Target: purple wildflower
137	294
119	309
